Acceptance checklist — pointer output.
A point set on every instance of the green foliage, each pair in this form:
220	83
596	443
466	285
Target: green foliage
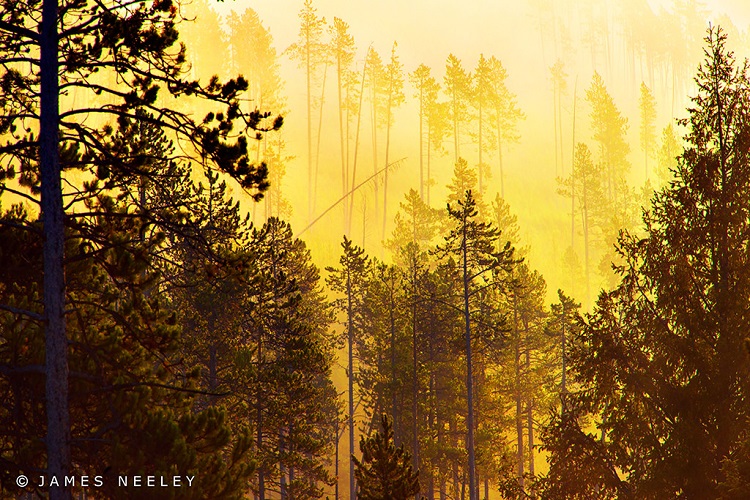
385	471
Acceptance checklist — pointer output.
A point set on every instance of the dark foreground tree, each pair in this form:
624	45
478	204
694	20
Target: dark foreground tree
661	362
385	472
58	57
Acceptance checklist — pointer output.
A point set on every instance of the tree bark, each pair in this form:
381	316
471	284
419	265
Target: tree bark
469	375
352	485
52	214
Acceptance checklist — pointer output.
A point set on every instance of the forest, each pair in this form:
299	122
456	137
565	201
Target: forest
257	250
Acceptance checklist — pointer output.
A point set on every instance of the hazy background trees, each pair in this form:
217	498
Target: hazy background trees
223	317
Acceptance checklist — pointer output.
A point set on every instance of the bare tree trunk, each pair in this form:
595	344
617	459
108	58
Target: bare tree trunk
308	67
342	140
356	150
320	128
53	215
374	118
554	112
429	157
500	155
421	141
385	178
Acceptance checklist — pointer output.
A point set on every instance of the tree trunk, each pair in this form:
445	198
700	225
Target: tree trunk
53	215
350	312
374	117
481	166
500	155
394	399
342	141
414	379
517	391
469	373
308	68
283	487
336	470
529	407
421	141
356	150
320	128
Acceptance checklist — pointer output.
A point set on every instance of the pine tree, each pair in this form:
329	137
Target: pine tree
350	280
68	43
661	362
610	129
385	471
310	52
473	243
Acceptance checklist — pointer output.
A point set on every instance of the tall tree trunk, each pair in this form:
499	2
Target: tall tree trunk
385	178
356	150
308	68
320	128
572	185
517	391
456	147
342	140
563	389
350	312
337	437
259	432
586	238
394	397
414	378
469	373
374	118
554	113
529	408
500	155
53	215
481	166
429	157
283	487
421	141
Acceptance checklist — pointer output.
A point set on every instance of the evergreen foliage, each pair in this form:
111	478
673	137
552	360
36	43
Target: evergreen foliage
384	473
660	361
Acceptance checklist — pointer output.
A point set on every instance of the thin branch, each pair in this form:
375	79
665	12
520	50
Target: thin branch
19	30
22	312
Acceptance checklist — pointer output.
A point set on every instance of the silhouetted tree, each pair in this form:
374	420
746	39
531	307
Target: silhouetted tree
660	362
385	472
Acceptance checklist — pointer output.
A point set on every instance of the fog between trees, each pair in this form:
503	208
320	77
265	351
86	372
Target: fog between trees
539	337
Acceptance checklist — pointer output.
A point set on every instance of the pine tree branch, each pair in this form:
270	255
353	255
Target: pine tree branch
22	312
19	30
